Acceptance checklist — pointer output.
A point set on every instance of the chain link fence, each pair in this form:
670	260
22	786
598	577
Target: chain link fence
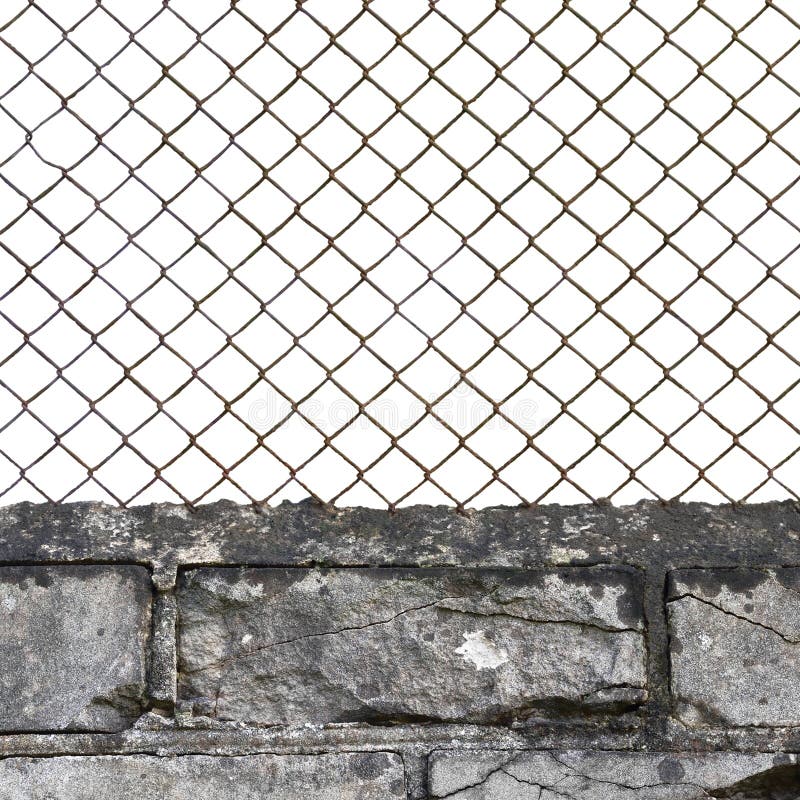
388	252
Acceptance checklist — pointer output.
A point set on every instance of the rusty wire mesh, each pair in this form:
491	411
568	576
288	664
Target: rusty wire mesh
397	251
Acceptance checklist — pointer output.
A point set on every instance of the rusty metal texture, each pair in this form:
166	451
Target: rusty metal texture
579	220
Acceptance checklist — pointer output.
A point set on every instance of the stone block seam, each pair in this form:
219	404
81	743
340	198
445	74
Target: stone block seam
304	651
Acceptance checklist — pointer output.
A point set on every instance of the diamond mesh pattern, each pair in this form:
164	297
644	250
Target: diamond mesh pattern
392	252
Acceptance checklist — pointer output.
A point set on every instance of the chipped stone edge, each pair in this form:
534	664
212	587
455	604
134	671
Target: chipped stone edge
308	533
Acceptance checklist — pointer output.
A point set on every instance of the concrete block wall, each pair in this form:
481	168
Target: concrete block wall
581	652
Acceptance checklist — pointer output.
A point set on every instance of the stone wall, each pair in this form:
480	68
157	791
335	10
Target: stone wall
518	654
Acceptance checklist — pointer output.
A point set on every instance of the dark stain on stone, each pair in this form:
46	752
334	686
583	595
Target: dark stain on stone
780	783
22	577
14	576
710	582
789	577
670	770
371	765
630	603
270	581
43	578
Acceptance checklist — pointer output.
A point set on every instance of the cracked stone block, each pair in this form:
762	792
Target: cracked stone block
72	647
282	646
735	646
587	775
340	776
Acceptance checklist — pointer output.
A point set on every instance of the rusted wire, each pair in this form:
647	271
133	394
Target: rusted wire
534	162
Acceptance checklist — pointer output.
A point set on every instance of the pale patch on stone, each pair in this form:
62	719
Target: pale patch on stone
482	652
577	524
606	607
567	555
311	583
241	590
208	550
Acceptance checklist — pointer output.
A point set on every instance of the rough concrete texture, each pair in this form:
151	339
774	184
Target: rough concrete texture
308	533
735	646
577	775
356	776
72	647
272	646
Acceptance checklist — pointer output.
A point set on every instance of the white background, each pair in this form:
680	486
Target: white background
383	253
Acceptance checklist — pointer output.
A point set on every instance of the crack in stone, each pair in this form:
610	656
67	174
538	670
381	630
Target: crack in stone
441	603
537	621
527	783
605	688
493	771
540	786
502	769
634	788
226	662
572	771
255	650
466	612
735	615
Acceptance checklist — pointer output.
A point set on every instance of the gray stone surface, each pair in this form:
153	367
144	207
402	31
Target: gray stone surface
654	537
274	646
307	533
72	647
576	775
735	646
355	776
163	671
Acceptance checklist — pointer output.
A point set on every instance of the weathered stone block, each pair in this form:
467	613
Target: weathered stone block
273	646
735	646
576	775
72	647
341	776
